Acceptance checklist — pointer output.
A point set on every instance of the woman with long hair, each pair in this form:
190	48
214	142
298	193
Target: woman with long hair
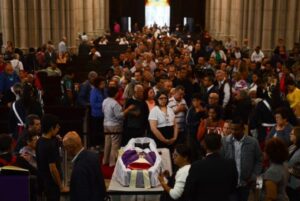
149	97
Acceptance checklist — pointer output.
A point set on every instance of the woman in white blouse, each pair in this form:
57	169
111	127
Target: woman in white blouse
162	122
182	158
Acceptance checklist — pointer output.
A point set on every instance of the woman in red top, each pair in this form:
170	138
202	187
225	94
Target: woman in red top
212	124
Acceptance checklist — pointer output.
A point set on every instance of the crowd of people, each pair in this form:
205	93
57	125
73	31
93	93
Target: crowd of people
217	106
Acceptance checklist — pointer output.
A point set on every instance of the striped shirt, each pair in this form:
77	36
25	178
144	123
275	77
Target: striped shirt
180	116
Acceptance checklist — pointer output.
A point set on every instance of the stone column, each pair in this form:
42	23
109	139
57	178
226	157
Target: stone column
23	25
79	17
1	19
88	17
106	26
207	14
7	25
228	17
33	16
45	21
258	6
223	16
297	32
55	21
68	18
267	29
212	18
63	13
250	25
291	23
234	19
245	14
240	18
72	32
217	20
279	13
16	22
97	16
102	16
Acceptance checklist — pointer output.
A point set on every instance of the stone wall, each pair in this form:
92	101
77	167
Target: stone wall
31	23
261	21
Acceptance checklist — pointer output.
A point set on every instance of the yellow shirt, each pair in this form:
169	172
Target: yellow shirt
294	98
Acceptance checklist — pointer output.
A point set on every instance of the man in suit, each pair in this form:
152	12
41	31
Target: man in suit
213	178
209	87
87	183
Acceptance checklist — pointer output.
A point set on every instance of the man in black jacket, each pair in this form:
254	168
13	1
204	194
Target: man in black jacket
87	183
213	178
136	121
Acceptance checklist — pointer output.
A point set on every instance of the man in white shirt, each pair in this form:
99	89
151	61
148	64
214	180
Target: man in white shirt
257	56
17	64
62	47
179	107
219	55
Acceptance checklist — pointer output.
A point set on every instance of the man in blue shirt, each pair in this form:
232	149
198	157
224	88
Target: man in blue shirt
7	79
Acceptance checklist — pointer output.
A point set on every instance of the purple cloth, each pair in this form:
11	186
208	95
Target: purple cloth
150	157
130	156
14	187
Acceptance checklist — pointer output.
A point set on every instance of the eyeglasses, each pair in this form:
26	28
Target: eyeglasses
162	98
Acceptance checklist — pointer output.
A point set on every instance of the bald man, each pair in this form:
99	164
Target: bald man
87	183
136	121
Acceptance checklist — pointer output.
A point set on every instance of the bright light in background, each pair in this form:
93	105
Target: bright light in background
157	11
129	24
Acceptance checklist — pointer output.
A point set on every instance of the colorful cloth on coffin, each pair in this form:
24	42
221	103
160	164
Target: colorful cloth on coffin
138	161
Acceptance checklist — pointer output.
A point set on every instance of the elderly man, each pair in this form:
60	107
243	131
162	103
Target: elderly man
136	121
178	104
87	183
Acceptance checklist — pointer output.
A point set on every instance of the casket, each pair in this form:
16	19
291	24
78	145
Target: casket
138	164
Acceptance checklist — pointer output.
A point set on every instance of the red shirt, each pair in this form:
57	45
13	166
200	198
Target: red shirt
2	67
